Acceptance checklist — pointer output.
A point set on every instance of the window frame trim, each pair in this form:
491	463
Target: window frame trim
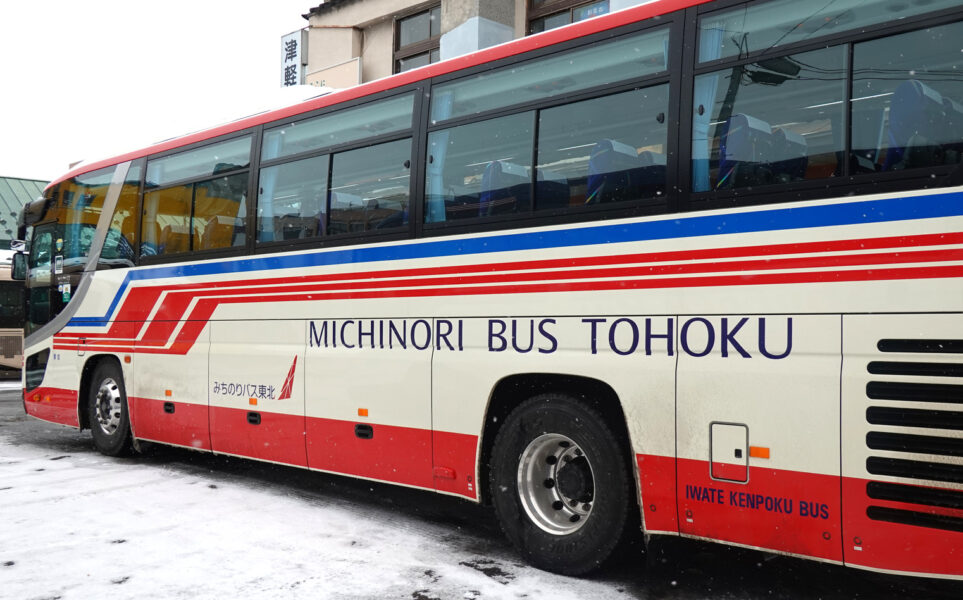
432	42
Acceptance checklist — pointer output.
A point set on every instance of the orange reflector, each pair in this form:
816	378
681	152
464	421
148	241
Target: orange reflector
362	412
252	401
46	398
127	359
168	393
758	452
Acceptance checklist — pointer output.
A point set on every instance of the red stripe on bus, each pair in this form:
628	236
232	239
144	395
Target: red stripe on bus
271	436
187	426
204	308
395	454
141	301
892	546
55	405
457	452
176	302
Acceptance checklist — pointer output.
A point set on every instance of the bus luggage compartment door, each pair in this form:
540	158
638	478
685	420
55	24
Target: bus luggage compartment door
902	453
766	387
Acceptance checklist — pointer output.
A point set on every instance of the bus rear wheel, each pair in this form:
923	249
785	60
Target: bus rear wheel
107	411
560	485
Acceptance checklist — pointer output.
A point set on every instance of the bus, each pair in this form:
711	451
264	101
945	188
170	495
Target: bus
11	320
689	269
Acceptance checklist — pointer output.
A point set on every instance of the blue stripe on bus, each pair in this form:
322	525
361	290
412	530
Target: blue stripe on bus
800	217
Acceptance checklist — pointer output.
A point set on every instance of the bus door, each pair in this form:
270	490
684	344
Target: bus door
368	388
757	430
256	389
903	442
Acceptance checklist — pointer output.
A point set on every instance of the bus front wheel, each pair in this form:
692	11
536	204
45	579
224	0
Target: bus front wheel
107	411
560	485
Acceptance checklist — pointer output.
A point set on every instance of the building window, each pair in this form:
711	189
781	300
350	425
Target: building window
549	14
417	39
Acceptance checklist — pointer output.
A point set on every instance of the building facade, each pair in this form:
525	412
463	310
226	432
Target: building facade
356	41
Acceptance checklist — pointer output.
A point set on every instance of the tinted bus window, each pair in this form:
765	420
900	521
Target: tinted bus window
219	218
370	188
344	126
200	216
206	161
166	226
908	100
752	28
292	200
79	203
480	169
599	64
118	248
781	122
602	150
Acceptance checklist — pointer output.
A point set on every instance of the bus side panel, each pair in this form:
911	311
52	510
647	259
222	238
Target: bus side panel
55	399
168	394
256	389
758	431
368	398
902	464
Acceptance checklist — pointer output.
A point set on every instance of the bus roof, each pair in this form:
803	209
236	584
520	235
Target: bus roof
512	48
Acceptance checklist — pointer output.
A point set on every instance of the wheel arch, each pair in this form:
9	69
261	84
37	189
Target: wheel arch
86	377
512	390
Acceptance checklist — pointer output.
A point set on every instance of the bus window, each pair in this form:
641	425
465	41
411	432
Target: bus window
209	160
219	217
291	200
370	188
166	225
603	150
747	29
629	57
40	276
480	169
773	121
908	100
79	203
118	248
345	126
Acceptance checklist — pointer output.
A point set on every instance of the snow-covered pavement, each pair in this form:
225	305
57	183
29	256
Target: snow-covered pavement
176	524
173	524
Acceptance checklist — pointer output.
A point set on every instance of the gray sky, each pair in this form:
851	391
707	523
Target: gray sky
92	79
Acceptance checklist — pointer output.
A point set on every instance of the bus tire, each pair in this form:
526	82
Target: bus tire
107	410
560	485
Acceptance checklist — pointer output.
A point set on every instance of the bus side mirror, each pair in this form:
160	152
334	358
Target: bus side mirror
18	269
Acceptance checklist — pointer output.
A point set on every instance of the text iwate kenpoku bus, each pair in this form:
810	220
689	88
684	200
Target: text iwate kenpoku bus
689	269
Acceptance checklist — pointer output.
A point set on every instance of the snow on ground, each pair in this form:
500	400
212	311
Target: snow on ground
75	524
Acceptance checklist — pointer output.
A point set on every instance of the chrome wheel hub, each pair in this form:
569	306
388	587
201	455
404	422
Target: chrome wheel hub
556	484
107	406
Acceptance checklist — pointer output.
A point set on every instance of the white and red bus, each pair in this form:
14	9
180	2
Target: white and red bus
691	269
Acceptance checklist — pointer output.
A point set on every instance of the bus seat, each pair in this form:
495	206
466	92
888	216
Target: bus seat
745	150
651	173
551	190
790	154
612	172
217	234
505	188
915	119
